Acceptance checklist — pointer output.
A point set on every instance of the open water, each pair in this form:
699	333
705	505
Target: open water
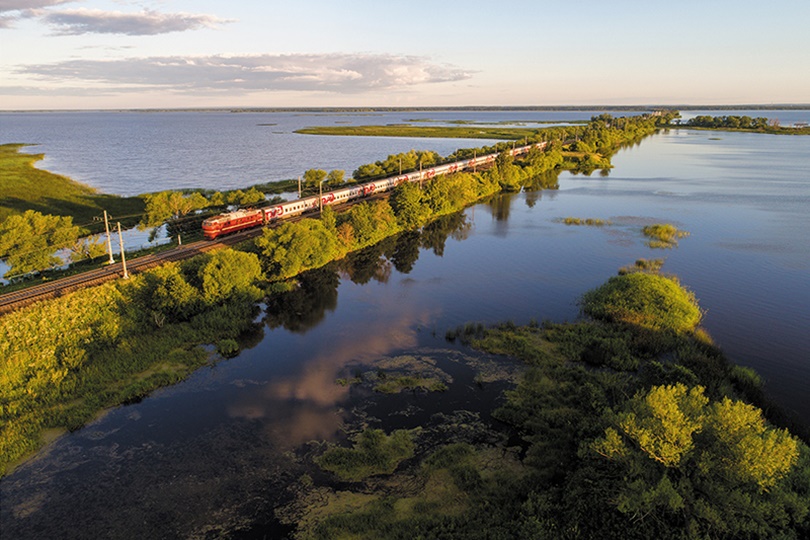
214	455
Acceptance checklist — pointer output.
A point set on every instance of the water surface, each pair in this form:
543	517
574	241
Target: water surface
215	453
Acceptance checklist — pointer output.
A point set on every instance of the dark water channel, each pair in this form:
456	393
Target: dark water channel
214	455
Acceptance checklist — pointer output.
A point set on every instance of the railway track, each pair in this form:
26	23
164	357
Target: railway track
54	289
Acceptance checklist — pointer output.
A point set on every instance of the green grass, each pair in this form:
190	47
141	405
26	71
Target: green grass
422	131
646	300
24	187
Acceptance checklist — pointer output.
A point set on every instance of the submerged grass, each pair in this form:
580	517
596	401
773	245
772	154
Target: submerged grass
373	453
593	222
663	235
652	266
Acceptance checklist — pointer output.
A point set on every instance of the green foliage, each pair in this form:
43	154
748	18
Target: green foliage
64	360
732	122
228	272
663	421
646	300
313	178
373	453
371	222
396	163
294	247
29	241
228	347
746	450
652	266
409	206
506	173
89	247
714	468
165	296
336	177
166	205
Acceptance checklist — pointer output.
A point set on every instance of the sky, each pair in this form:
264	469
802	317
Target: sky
114	54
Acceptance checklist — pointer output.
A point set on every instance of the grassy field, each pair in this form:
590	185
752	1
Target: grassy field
471	132
24	187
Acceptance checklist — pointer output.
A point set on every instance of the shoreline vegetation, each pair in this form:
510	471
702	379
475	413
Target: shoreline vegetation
631	420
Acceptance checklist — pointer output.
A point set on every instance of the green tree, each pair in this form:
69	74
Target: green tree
409	206
294	247
88	247
313	178
745	449
166	205
506	172
335	177
663	422
166	296
29	241
371	222
715	470
229	272
216	199
251	196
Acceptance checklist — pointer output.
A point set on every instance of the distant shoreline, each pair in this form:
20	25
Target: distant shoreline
472	108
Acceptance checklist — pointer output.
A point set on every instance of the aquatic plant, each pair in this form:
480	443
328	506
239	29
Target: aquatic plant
663	235
373	453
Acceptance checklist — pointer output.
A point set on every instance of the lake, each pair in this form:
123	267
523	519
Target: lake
214	455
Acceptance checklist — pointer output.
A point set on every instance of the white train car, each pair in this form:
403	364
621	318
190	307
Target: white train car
233	221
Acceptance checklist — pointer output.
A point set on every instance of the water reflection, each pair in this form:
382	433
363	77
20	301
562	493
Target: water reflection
435	234
305	307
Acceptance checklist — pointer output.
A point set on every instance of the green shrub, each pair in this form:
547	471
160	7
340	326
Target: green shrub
227	347
647	300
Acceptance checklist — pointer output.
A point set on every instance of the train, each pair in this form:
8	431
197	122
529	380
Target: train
231	222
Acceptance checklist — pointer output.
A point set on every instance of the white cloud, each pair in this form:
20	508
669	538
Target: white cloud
13	10
24	5
342	73
94	21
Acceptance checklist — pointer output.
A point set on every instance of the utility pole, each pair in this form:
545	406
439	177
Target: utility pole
299	186
109	242
320	195
123	257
